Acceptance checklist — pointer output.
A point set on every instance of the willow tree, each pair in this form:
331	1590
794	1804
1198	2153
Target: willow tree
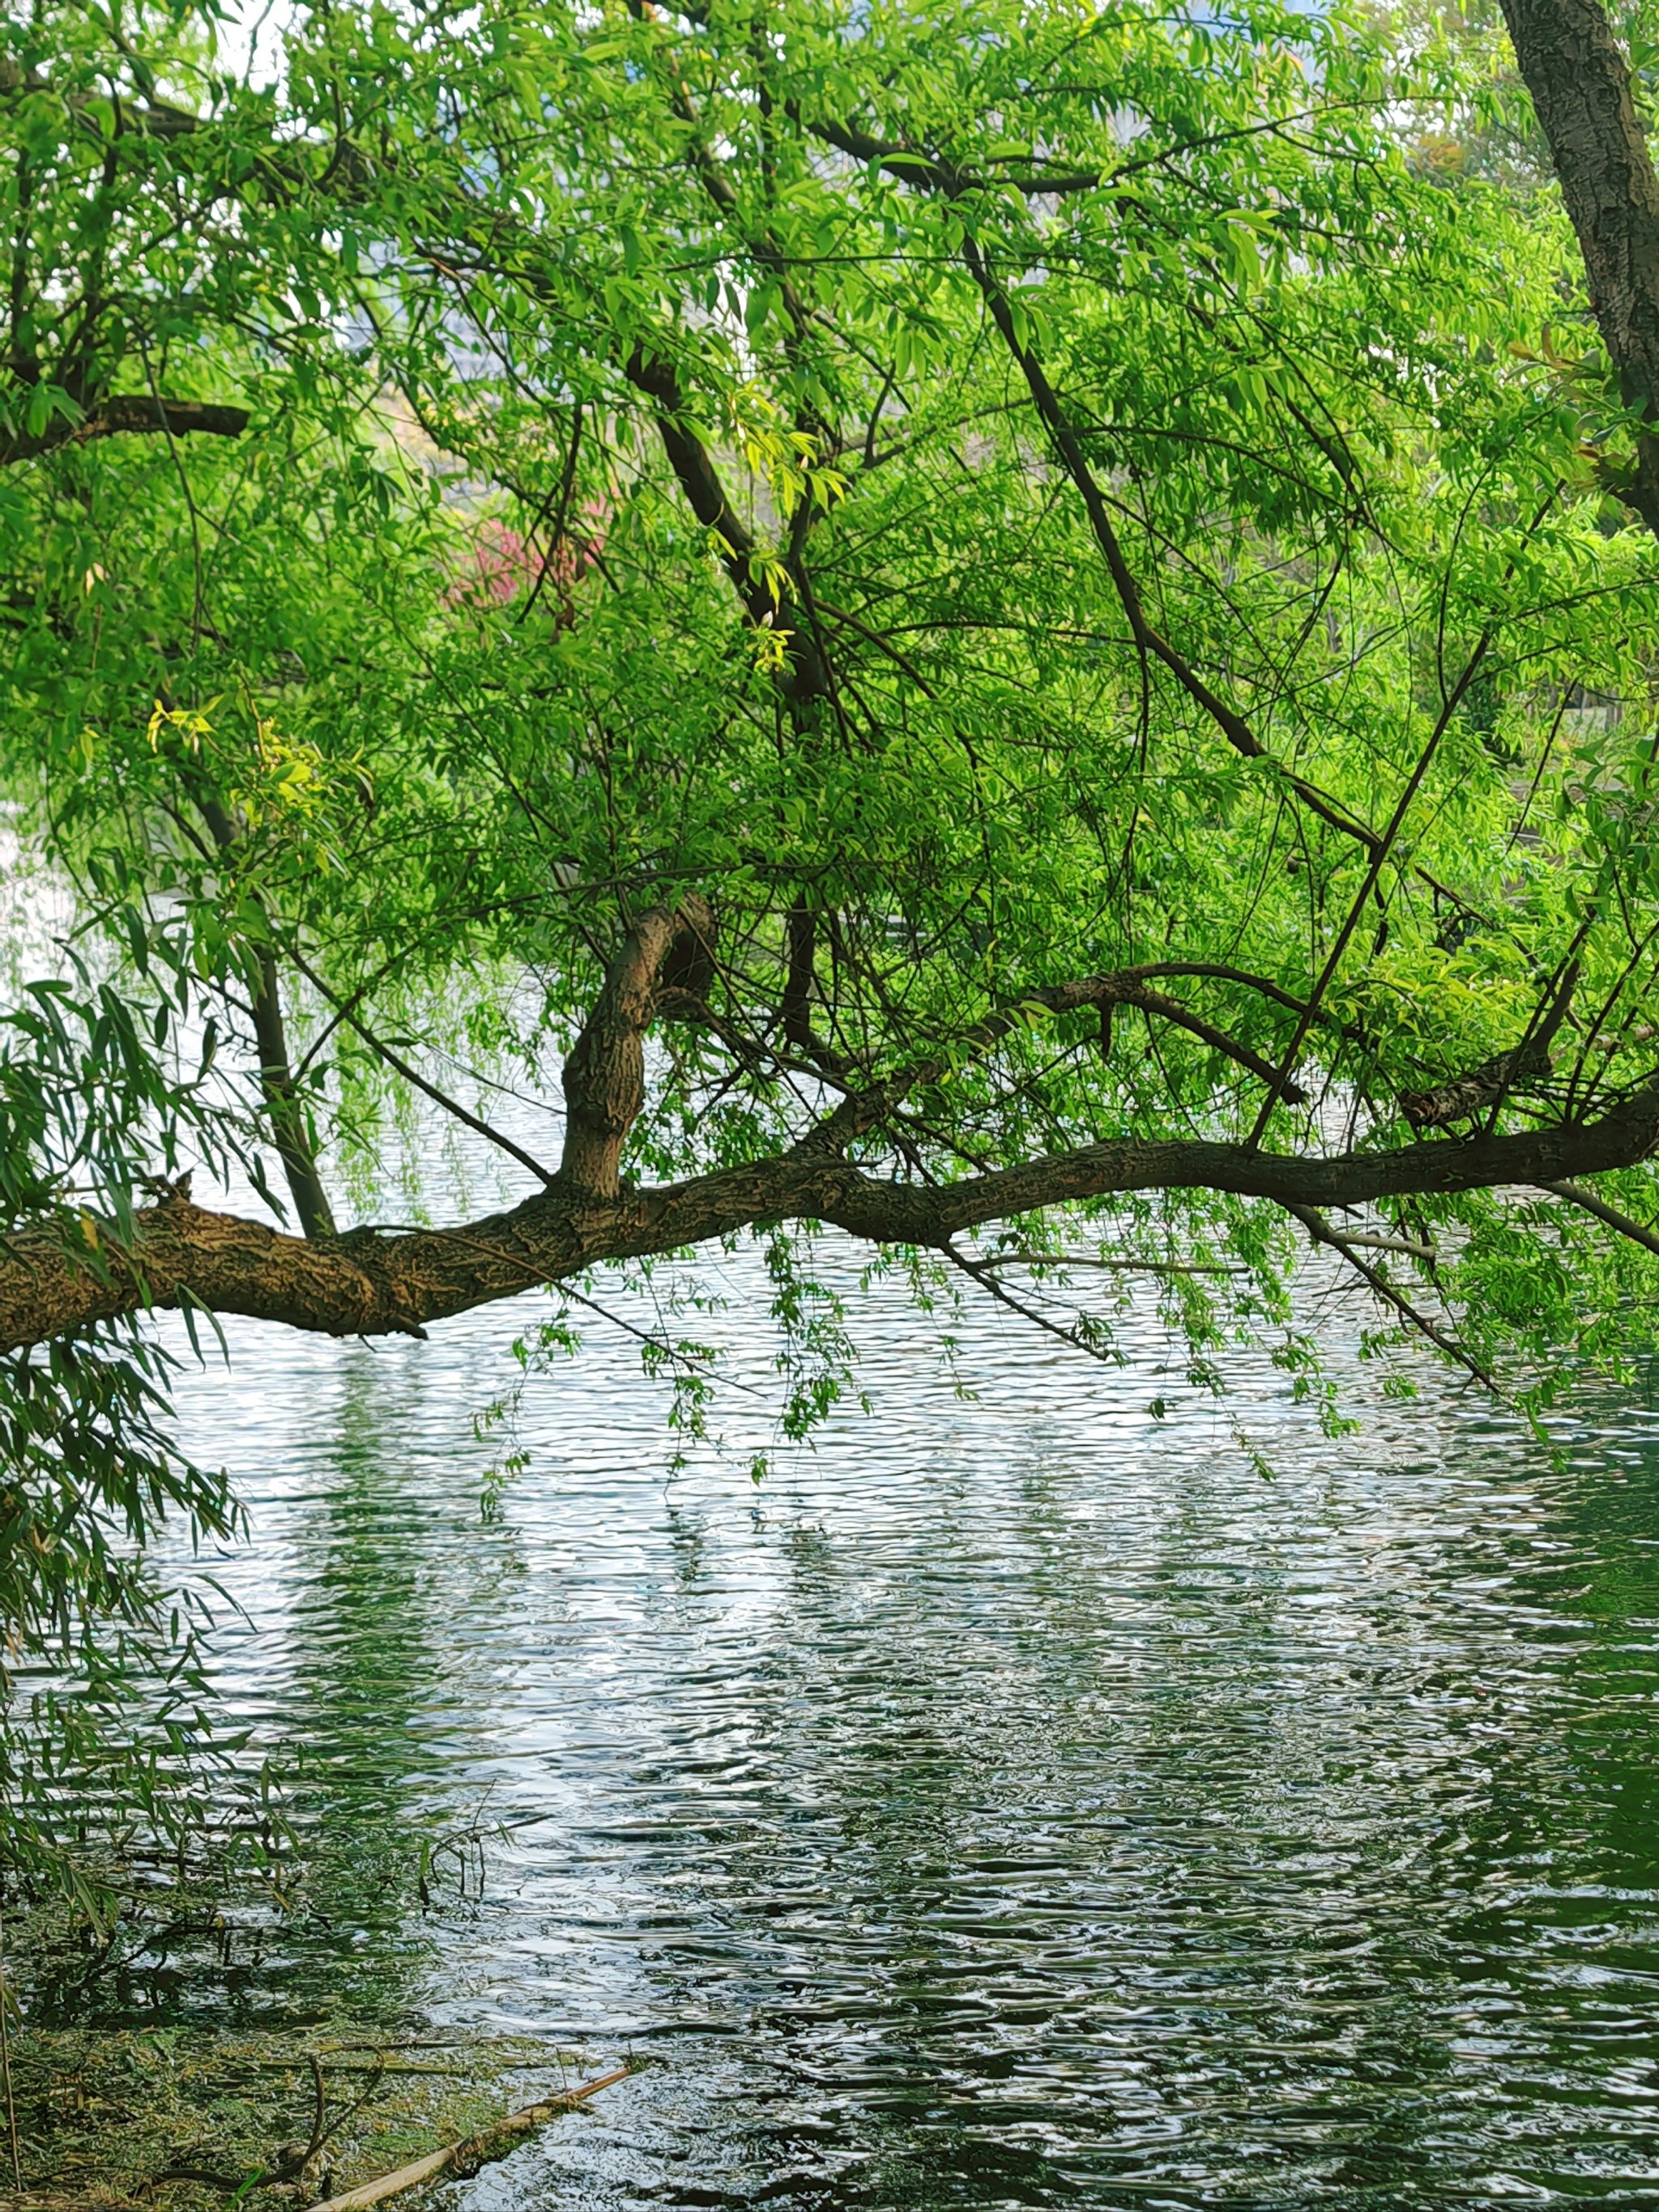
1023	631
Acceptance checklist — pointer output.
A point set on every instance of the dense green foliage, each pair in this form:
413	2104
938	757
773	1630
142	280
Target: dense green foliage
983	495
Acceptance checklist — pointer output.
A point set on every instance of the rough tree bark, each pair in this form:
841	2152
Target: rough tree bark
1580	84
371	1283
604	1076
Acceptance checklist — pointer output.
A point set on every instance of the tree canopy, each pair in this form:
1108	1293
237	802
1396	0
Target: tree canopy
929	613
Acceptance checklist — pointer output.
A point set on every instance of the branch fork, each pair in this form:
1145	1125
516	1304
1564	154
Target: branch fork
665	960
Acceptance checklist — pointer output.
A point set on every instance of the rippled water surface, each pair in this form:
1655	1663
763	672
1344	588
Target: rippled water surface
1019	1801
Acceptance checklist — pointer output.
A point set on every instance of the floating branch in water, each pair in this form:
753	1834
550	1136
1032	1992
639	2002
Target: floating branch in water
491	2143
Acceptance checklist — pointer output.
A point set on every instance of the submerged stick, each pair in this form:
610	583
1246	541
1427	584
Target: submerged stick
5	2066
480	2146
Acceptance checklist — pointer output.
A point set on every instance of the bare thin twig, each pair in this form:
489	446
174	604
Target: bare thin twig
1120	1266
1576	1195
401	1067
976	1271
319	2121
1322	1233
660	1344
5	2068
1405	1244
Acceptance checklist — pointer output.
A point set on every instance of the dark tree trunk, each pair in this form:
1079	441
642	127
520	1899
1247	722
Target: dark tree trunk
1580	84
289	1128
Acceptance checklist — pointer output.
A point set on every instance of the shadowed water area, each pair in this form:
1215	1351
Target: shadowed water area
1012	1803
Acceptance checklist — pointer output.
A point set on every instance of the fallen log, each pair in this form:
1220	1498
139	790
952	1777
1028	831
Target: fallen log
491	2143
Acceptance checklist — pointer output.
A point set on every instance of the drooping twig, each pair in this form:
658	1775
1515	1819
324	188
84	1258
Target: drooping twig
978	1272
1322	1233
400	1067
1576	1195
658	1344
1127	986
1120	1266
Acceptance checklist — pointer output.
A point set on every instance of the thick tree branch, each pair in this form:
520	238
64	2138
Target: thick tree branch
130	412
1637	1231
795	1008
1477	1091
806	679
799	983
1484	1089
695	471
69	1275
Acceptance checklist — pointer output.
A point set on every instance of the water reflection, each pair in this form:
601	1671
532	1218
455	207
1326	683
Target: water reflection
1017	1803
387	1701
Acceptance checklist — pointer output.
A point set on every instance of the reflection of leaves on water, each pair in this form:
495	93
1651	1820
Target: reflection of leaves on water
381	1790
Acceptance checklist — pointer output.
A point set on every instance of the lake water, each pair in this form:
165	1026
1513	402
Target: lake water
1012	1803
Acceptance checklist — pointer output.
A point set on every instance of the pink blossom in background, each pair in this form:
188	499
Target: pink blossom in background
502	563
